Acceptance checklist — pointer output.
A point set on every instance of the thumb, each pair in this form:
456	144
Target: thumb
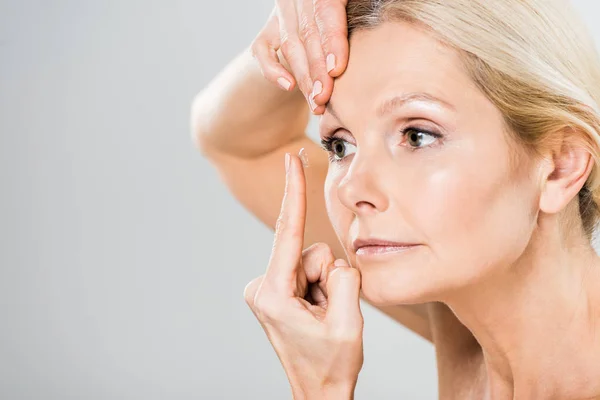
343	296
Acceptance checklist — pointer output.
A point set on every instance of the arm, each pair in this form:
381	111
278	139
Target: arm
244	125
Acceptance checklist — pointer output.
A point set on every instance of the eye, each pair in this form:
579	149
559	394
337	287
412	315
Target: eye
337	148
418	138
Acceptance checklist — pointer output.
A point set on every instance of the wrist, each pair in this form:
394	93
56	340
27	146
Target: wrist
328	392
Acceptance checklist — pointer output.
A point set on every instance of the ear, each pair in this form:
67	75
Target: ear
568	165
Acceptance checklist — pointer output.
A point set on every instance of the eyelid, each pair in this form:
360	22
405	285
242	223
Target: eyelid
416	128
425	125
406	125
437	138
335	133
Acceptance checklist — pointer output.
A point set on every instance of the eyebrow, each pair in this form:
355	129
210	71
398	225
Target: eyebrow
398	101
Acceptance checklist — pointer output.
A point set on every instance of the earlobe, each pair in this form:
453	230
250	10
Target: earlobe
565	171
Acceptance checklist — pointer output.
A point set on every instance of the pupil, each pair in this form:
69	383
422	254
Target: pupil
339	148
415	137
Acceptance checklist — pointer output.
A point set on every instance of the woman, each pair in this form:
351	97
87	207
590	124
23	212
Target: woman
462	140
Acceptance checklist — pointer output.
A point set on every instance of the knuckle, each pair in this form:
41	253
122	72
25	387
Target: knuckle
318	247
280	224
305	84
343	335
259	42
249	299
289	46
267	309
318	6
250	291
316	65
307	30
254	48
296	235
330	35
321	9
348	274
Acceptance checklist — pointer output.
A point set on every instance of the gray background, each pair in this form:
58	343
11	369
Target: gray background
123	257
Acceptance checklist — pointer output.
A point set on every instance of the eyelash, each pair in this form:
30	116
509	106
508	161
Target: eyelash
327	141
327	145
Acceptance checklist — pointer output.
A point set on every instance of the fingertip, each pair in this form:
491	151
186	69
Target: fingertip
289	162
284	83
273	71
348	272
331	273
337	59
339	68
295	179
316	109
303	157
340	262
343	287
301	162
344	278
330	61
285	74
322	93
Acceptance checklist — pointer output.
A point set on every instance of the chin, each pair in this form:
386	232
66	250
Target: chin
399	278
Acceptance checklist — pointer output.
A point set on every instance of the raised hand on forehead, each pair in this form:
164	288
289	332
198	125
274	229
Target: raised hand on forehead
312	36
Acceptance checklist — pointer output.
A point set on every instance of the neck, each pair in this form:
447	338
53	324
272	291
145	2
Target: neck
537	320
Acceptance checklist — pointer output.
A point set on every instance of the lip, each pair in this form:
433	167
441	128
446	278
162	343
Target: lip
374	246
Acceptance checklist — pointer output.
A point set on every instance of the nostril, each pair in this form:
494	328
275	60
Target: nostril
364	204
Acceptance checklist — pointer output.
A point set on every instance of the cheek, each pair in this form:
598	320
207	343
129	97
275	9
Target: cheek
332	202
339	216
456	194
476	211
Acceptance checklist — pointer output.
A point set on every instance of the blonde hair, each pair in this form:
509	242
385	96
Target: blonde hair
534	59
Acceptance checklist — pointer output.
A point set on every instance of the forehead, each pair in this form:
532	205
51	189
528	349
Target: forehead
397	58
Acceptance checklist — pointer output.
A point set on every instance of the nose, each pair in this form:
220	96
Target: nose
361	188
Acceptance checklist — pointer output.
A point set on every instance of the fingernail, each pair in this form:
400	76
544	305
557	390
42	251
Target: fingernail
303	157
340	263
312	104
284	83
330	62
287	162
317	89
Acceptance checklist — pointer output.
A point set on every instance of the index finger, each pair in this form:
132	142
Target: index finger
289	231
331	19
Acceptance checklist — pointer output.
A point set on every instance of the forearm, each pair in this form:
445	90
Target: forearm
242	114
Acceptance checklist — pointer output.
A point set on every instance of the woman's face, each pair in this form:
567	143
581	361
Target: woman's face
451	186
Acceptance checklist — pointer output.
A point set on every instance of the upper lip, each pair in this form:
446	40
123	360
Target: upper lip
358	243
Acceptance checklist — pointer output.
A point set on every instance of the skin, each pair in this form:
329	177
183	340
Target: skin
244	139
456	188
522	338
312	37
308	304
487	220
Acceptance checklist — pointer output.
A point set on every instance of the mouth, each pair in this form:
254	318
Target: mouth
375	247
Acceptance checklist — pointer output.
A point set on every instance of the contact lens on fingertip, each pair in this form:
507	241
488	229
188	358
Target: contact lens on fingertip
303	157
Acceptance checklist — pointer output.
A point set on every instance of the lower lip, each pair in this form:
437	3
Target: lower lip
382	250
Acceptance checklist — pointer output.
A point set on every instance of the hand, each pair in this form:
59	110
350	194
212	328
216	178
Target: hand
308	303
313	38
